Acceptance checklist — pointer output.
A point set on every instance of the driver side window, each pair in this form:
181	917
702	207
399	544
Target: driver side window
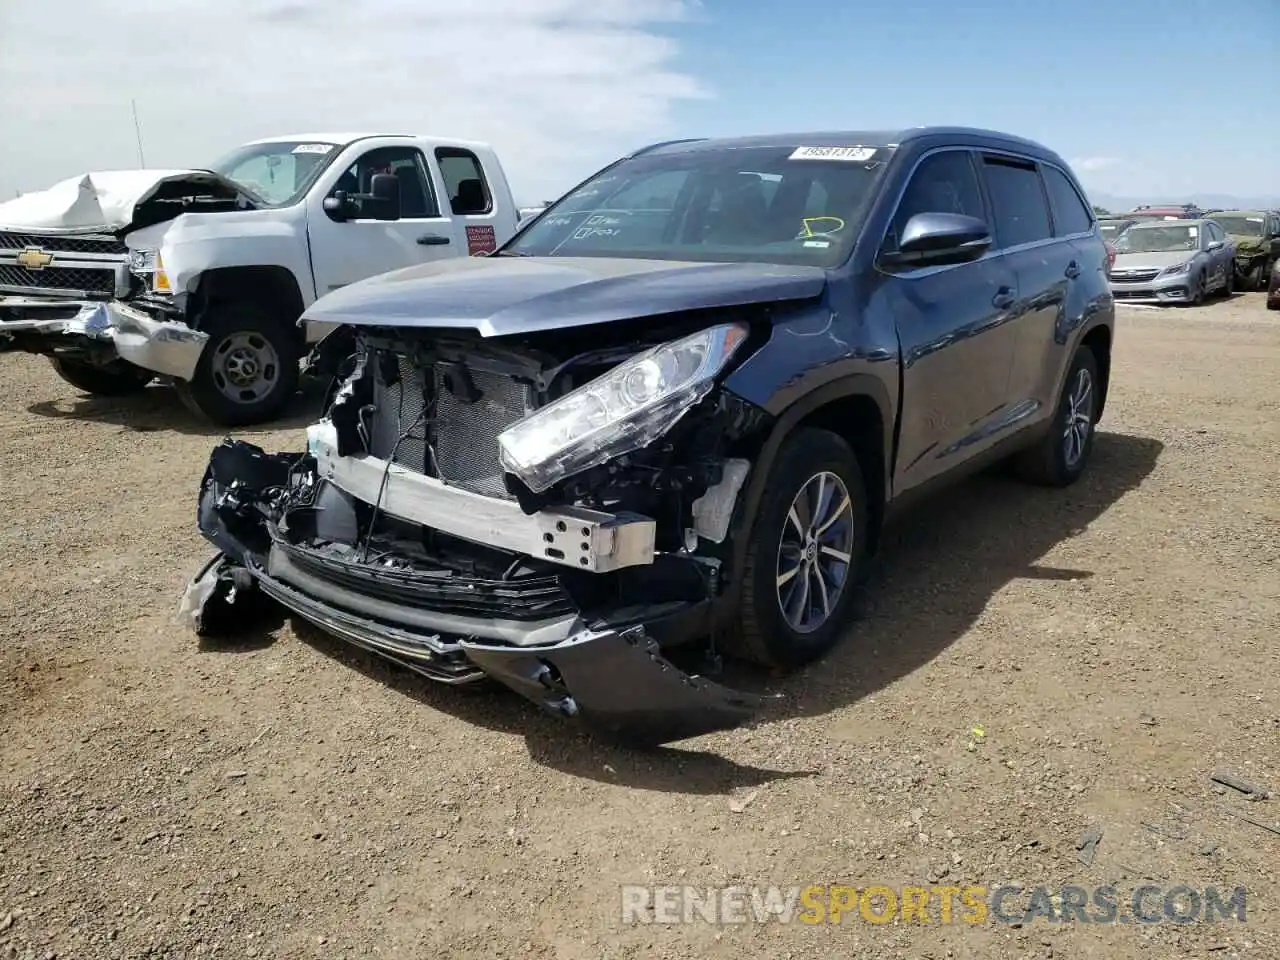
944	182
417	199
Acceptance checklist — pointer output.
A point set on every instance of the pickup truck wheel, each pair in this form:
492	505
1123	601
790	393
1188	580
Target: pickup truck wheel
805	544
1258	276
248	370
116	379
1059	459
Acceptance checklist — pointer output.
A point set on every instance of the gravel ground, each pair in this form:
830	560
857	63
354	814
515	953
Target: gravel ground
287	797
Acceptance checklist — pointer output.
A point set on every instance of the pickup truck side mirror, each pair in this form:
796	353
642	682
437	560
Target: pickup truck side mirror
937	239
382	202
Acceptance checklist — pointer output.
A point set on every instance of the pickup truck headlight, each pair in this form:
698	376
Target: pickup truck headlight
1176	269
625	409
148	265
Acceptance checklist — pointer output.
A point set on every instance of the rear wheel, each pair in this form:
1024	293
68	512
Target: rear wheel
804	547
119	378
249	368
1060	457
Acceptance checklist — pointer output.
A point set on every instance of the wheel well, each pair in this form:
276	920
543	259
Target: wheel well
1098	340
272	287
858	420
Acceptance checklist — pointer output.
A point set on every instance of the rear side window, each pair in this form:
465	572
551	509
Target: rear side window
1017	200
943	183
464	180
1070	215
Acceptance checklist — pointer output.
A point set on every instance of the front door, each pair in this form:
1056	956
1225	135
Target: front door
344	251
953	330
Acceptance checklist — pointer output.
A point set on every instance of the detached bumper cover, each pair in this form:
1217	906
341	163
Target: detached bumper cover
169	348
613	679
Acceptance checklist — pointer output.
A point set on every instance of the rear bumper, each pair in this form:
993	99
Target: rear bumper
52	327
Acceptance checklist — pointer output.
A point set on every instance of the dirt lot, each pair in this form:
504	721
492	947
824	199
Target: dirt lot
287	797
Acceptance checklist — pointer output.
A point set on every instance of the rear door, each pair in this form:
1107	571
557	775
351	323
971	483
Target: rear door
344	251
1081	288
953	330
468	195
1045	267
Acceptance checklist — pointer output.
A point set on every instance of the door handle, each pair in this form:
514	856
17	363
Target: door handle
1003	299
1073	270
432	240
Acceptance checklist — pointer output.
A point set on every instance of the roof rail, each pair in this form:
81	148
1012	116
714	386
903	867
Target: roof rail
666	143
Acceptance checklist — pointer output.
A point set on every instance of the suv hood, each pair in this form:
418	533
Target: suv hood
499	296
108	200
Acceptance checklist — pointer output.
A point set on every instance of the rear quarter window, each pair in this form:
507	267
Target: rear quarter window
1070	214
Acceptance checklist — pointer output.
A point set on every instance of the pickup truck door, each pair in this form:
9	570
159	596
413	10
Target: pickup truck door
482	212
344	251
953	331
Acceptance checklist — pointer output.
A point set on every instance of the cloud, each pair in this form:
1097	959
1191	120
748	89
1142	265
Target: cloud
1094	164
560	87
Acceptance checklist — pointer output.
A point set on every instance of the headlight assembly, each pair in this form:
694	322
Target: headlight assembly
148	265
625	409
1176	269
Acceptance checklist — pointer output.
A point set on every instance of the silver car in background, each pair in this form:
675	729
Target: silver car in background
1173	261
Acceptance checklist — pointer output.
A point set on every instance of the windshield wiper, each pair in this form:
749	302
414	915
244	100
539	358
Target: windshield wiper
510	253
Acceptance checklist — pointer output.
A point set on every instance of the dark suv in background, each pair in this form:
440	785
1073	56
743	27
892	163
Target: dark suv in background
677	405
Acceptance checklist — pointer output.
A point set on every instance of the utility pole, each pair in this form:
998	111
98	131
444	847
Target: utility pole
137	130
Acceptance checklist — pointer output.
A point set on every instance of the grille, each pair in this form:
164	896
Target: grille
59	278
82	243
464	434
1135	276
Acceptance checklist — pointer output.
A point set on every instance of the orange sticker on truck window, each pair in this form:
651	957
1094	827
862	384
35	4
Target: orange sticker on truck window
481	240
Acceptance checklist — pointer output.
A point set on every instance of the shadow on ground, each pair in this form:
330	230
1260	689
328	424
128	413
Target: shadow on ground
938	568
158	408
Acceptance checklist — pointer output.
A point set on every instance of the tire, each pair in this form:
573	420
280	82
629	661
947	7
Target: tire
253	344
763	633
1057	460
1229	284
1198	299
119	378
1257	276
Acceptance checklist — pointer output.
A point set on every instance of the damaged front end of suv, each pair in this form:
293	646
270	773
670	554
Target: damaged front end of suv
545	510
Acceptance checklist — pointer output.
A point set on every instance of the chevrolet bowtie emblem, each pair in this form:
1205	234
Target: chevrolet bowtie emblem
33	258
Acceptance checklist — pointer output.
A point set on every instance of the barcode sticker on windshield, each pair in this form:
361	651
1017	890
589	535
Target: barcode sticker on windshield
313	148
851	154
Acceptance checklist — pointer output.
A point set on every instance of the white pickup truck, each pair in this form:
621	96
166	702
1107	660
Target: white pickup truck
201	275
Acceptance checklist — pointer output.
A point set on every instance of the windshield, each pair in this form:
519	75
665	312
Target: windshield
1165	238
1241	226
277	174
1111	229
788	204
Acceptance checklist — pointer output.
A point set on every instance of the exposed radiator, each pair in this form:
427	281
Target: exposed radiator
462	426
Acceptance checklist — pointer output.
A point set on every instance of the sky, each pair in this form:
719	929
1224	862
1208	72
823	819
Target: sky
1149	99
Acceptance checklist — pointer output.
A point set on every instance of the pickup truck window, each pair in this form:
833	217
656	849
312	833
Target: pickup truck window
1018	201
469	193
786	204
417	199
279	173
944	182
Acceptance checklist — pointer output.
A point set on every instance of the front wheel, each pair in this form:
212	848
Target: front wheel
1059	458
119	378
802	556
1197	298
1229	282
249	368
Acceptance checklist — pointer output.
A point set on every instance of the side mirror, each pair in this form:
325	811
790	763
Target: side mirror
1216	244
384	190
340	206
938	239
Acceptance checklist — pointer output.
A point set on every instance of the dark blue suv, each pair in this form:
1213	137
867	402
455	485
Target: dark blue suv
677	405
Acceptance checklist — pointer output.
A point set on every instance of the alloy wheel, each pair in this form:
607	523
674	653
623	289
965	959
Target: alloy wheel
1075	436
815	552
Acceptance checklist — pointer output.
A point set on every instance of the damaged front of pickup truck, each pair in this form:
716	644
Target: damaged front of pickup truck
651	419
